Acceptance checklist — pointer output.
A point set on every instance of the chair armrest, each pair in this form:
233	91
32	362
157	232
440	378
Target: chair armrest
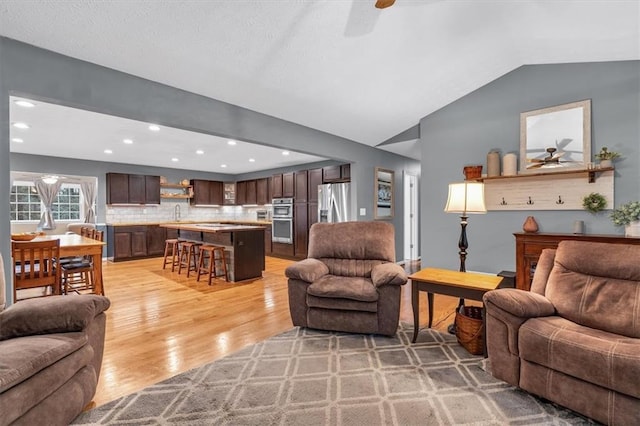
388	274
54	314
308	270
520	303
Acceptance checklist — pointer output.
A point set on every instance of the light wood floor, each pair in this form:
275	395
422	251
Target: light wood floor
161	324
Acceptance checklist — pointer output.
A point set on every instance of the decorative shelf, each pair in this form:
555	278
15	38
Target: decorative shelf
591	173
179	191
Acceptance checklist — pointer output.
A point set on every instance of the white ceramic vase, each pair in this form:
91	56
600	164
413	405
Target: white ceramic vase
606	163
632	229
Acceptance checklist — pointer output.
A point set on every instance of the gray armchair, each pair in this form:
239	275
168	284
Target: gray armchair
50	356
349	282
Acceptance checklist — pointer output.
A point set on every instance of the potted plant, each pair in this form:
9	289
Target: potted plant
606	157
628	215
594	202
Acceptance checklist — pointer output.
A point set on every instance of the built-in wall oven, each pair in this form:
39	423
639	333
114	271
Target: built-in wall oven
282	221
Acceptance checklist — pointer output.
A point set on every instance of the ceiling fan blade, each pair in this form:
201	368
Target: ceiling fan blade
381	4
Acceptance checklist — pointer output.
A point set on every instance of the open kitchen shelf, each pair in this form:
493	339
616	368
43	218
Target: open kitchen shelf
176	191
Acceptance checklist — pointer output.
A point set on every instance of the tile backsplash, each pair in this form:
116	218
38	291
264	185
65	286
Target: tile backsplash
165	212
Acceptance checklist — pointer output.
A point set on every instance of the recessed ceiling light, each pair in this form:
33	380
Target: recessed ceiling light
285	152
25	104
21	125
17	140
252	160
174	159
127	141
199	152
108	151
231	142
154	127
223	165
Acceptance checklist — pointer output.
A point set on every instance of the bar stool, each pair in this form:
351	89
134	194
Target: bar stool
210	269
188	256
171	247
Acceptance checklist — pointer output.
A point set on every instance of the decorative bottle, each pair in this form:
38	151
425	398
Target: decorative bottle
493	163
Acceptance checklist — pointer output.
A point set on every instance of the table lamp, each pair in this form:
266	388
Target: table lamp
465	198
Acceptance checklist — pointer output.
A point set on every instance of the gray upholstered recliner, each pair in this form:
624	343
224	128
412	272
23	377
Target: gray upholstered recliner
50	356
349	282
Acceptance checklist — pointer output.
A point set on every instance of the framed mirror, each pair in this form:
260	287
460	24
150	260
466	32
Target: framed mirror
383	199
556	138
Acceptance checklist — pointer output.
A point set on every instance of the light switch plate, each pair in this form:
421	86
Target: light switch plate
363	211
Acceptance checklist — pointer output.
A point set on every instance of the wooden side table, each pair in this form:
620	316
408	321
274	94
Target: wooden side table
465	285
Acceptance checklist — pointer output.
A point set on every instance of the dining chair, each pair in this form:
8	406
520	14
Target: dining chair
34	266
78	274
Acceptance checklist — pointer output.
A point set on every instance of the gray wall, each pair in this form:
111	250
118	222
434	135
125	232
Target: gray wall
465	131
40	74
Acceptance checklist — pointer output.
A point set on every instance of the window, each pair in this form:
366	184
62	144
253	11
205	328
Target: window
26	205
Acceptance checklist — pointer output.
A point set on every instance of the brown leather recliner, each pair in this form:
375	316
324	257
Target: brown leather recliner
575	337
50	356
349	282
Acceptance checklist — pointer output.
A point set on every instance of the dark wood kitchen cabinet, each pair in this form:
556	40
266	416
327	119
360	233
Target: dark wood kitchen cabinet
267	240
241	193
312	213
338	173
125	188
300	230
314	179
262	191
288	185
207	192
152	189
251	192
156	237
300	179
128	242
276	186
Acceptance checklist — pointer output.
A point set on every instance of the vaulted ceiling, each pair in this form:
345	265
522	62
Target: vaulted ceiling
339	66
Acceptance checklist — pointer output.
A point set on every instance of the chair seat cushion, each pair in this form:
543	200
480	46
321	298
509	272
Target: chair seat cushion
337	287
23	357
595	356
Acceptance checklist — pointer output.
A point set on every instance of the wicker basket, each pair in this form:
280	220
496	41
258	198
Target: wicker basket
469	329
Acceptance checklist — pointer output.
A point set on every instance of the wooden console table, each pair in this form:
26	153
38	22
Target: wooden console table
529	246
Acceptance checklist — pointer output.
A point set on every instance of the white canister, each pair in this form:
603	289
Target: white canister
493	163
510	164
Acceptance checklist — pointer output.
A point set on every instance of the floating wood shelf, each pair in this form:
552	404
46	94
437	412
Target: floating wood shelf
174	186
591	173
176	196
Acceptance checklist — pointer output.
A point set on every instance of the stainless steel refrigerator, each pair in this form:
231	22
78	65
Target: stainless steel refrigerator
334	202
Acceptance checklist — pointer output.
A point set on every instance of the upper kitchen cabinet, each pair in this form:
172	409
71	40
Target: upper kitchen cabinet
229	193
300	179
251	192
339	173
288	185
241	193
262	191
125	188
314	179
276	186
207	192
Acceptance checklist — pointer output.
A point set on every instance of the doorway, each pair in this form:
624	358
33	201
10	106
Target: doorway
411	217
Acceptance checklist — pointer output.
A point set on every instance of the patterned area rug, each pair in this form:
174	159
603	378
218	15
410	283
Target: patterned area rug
307	377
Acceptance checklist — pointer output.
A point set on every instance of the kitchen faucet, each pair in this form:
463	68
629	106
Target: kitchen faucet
176	213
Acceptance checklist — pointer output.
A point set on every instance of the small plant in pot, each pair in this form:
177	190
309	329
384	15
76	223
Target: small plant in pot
628	215
606	157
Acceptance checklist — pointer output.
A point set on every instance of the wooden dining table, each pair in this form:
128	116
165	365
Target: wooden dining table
77	245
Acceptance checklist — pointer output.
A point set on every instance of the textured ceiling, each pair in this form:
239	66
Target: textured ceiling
339	66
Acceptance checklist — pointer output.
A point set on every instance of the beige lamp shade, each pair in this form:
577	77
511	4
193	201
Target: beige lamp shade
466	197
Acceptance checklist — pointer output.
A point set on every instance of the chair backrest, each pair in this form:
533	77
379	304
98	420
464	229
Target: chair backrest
597	285
76	228
98	235
352	248
34	265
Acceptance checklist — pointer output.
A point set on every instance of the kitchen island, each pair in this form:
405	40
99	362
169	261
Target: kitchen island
244	245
